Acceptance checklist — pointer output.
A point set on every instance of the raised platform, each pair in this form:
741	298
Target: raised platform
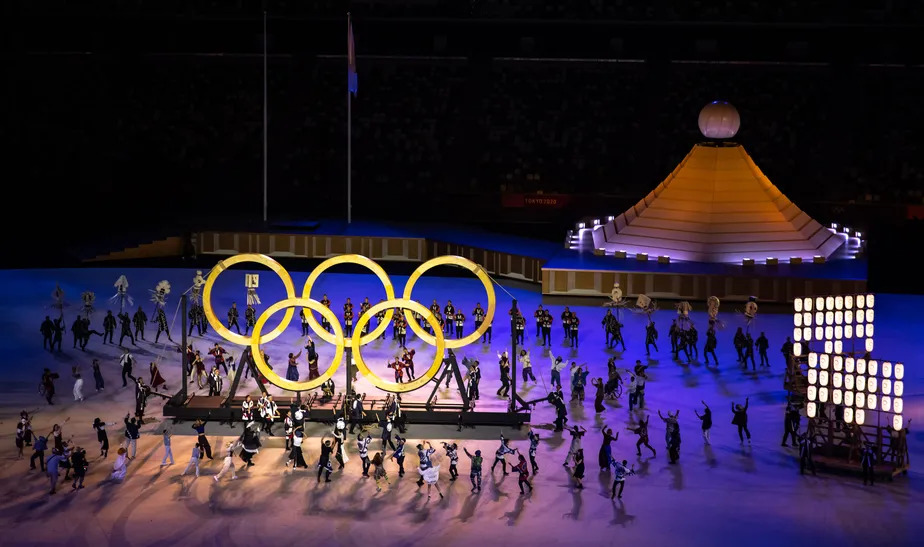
559	271
326	411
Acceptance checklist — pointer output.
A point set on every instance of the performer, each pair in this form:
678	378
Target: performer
78	383
527	366
578	472
126	362
762	345
523	471
651	337
452	452
126	328
606	449
362	445
423	455
504	364
557	364
327	389
791	423
474	379
325	324
460	323
269	413
109	324
538	315
706	418
47	329
79	465
674	334
478	314
533	447
247	408
598	396
292	371
339	438
312	357
139	319
193	315
57	333
250	443
142	392
202	440
577	433
475	471
324	459
250	318
348	318
499	454
228	463
608	319
194	458
740	344
408	359
48	384
162	327
741	419
387	427
547	329
304	318
400	323
710	346
295	455
868	462
620	479
77	331
156	378
749	352
642	432
805	454
233	316
198	367
566	323
356	412
671	423
380	319
218	353
449	312
399	370
398	454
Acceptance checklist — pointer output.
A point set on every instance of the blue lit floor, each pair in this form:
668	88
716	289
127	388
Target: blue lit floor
723	494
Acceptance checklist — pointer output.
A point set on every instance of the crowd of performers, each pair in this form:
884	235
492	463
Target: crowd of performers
261	416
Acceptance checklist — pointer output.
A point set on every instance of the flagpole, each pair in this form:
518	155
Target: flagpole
349	138
265	120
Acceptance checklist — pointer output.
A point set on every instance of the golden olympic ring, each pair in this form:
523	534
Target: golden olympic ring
207	297
357	340
418	382
479	273
359	260
272	376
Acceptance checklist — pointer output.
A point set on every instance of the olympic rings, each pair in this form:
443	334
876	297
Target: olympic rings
227	263
479	273
357	340
421	380
359	260
272	376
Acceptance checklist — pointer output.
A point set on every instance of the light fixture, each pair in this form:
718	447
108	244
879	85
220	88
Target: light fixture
861	316
848	415
838	318
819	318
838	346
806	318
845	229
848	331
871	401
861	383
857	234
747	261
834	225
839	302
871	384
797	305
848	381
824	360
896	422
848	302
860	330
829	346
861	301
823	378
838	379
610	218
797	334
870	300
848	398
886	403
870	313
664	259
807	333
848	317
849	364
580	225
899	388
899	371
897	405
811	393
829	332
859	416
819	333
838	363
887	386
859	400
872	367
596	222
861	366
810	410
869	344
838	332
772	261
823	394
813	376
869	330
829	303
807	304
836	396
813	360
797	349
819	304
797	319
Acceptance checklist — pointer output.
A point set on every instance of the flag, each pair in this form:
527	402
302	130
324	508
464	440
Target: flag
352	79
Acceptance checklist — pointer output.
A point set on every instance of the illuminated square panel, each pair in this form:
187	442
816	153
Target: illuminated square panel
862	386
830	318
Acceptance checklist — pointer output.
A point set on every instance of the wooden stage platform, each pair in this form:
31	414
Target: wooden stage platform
557	269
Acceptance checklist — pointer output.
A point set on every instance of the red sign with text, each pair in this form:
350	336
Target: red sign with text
539	201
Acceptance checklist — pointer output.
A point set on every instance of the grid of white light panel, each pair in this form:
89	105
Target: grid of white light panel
834	321
862	386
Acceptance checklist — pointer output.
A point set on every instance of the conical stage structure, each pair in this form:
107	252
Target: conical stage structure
717	206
